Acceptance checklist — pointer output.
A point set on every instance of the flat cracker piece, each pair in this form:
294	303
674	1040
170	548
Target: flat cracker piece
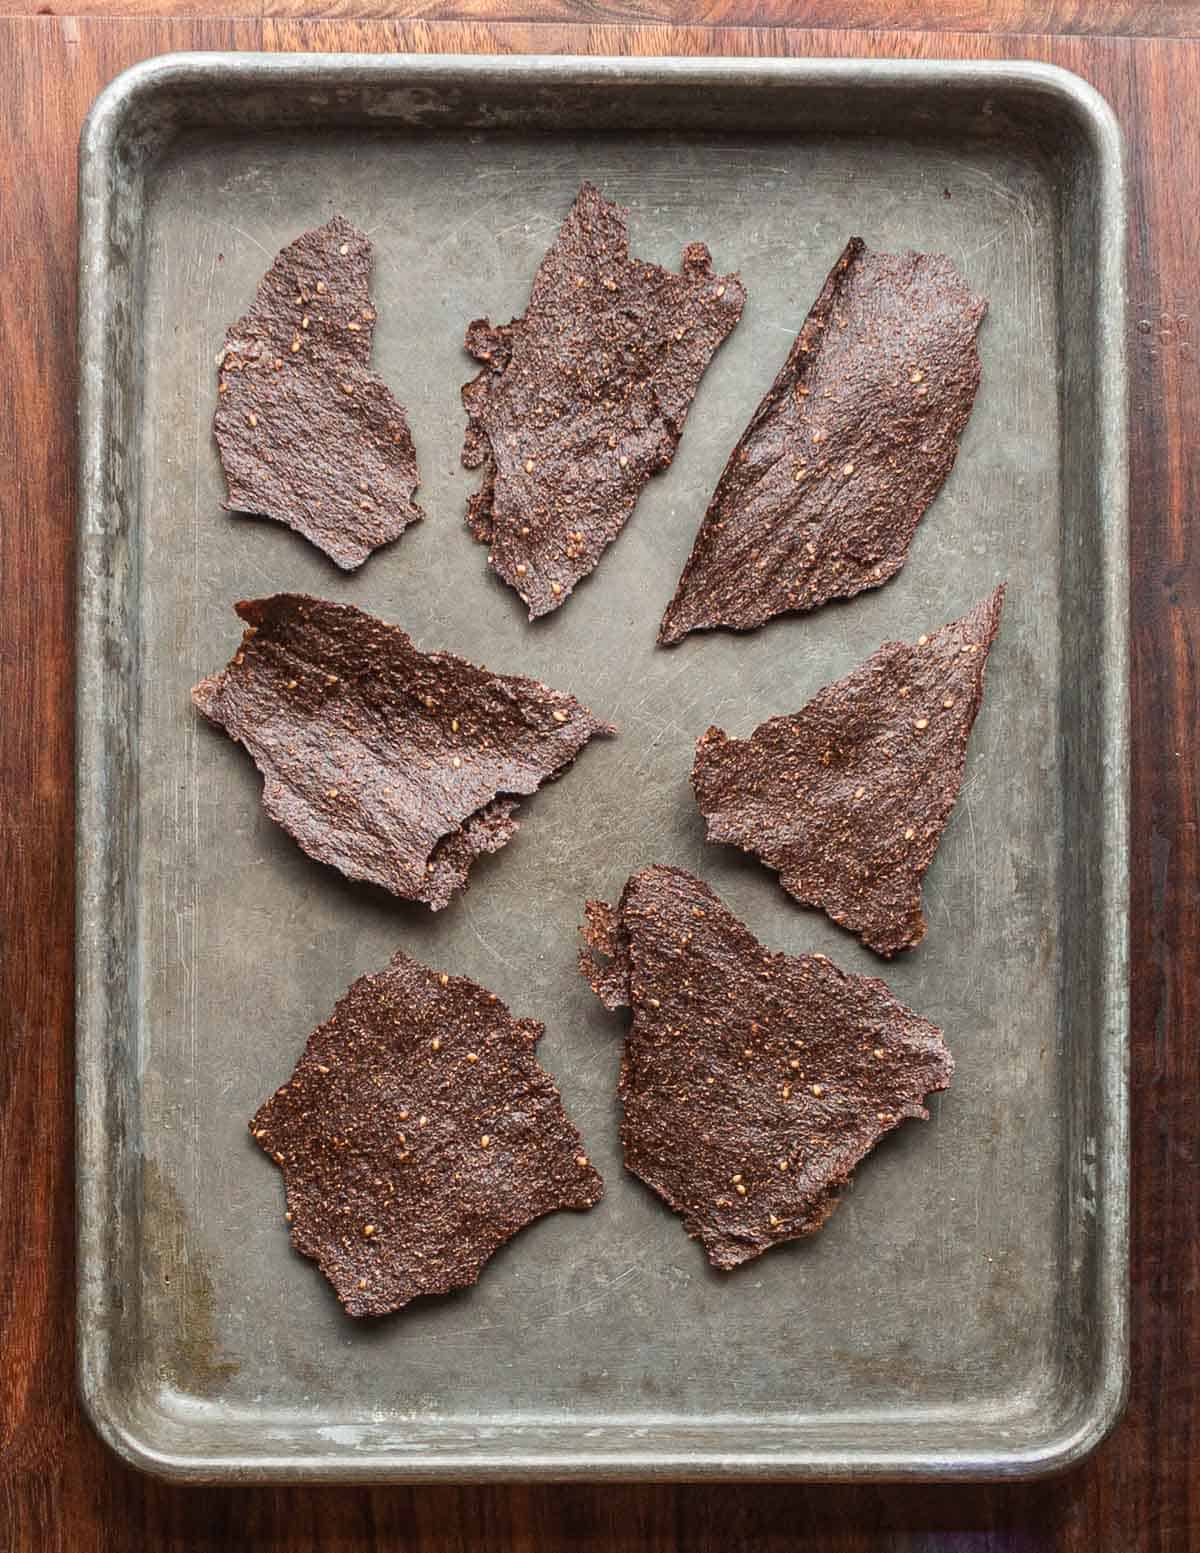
848	797
752	1083
307	433
416	1135
822	495
391	764
584	398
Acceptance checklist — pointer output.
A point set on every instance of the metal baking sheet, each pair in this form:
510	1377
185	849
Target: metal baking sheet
963	1314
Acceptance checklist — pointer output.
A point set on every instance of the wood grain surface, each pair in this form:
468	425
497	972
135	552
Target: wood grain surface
60	1491
1104	18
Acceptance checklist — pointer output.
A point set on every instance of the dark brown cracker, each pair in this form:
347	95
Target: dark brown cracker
848	797
821	497
752	1083
417	1134
584	398
307	434
391	764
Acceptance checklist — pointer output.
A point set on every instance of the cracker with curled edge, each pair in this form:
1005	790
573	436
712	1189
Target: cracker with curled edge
393	765
752	1083
822	495
582	399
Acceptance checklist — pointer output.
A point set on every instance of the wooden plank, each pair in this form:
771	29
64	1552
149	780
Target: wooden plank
60	1492
51	1468
1084	18
365	35
1157	1485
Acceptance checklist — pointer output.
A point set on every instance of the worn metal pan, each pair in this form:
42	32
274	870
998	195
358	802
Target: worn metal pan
963	1314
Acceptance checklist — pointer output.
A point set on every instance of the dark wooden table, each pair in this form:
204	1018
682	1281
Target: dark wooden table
60	1491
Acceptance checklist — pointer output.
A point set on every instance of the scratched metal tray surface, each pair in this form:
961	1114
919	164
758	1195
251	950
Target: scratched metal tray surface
963	1313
